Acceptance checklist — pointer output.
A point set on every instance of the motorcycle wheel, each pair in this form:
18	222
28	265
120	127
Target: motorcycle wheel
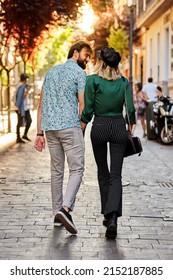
167	139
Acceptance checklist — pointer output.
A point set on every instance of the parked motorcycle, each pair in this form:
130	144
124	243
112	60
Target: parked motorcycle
162	125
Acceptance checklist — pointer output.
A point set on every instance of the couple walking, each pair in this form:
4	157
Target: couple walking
67	103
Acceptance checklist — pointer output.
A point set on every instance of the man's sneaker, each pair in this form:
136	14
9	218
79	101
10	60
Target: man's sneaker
57	222
26	138
66	220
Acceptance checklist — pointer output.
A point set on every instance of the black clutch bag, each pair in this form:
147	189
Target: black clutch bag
133	146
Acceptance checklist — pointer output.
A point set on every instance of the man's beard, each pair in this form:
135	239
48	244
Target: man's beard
81	63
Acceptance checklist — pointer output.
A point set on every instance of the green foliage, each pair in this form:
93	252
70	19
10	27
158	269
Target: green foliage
105	18
27	23
119	41
124	23
3	78
53	51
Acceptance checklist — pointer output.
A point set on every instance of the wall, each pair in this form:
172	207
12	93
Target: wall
157	51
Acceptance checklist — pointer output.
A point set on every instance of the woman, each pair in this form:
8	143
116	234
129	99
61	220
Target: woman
140	106
104	97
159	92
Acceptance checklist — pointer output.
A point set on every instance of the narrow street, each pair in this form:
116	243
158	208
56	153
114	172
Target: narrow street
145	231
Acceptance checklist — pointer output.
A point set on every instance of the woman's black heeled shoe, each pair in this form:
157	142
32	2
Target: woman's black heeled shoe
106	222
111	232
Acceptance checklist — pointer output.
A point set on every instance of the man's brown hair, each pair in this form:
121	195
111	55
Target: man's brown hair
78	46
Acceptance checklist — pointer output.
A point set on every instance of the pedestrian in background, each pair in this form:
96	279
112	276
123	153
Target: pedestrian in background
150	96
140	106
104	98
59	117
23	112
149	91
159	92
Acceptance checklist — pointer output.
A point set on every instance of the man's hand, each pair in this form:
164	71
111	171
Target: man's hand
39	143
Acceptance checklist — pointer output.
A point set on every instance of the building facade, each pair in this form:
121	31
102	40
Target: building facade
154	57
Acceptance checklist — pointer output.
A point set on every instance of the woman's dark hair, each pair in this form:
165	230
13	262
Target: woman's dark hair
78	46
110	56
159	88
139	85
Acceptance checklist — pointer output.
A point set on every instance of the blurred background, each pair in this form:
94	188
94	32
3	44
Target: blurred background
36	34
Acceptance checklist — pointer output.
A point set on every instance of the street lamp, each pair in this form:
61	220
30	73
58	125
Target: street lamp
131	4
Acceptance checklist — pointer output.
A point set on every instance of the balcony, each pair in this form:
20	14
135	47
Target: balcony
153	10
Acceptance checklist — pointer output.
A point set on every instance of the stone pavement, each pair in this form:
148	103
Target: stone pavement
145	231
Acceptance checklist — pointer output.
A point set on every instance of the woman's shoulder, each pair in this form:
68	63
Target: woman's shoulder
93	78
124	79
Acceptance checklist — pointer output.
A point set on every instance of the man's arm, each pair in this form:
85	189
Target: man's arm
81	103
144	97
40	140
81	107
39	113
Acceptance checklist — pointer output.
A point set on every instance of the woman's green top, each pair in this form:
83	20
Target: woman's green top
106	98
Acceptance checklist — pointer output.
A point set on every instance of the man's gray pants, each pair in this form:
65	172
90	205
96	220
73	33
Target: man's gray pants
70	143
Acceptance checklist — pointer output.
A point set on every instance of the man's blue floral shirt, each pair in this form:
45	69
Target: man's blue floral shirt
61	86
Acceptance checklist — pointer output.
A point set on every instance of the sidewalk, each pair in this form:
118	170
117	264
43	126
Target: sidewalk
9	139
145	231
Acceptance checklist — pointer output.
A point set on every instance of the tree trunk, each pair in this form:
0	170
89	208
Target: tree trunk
24	67
34	100
8	101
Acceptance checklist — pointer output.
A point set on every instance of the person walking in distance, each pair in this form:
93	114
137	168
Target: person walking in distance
149	91
159	92
60	106
140	106
150	97
105	97
23	112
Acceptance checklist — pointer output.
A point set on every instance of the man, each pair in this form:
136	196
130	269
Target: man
59	116
150	97
23	112
149	91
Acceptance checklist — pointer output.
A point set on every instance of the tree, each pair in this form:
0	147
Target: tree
107	17
100	6
123	23
29	24
105	12
52	51
118	40
25	25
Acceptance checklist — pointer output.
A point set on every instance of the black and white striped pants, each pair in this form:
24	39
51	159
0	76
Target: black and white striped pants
110	130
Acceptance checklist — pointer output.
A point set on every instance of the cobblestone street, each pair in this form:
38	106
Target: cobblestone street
145	231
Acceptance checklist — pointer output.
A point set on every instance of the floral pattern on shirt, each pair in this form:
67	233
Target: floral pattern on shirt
61	86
